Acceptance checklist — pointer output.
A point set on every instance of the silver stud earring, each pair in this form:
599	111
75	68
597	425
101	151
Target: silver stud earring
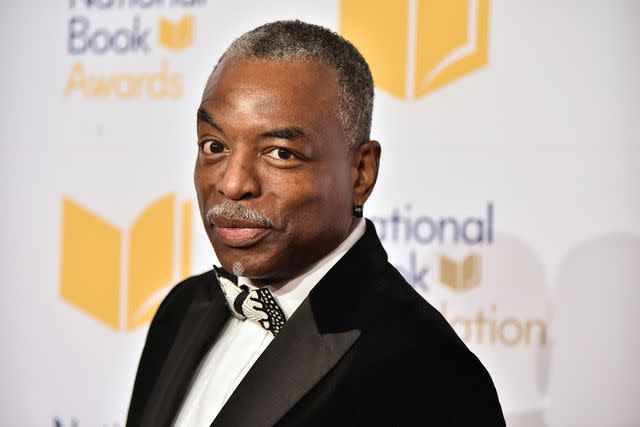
357	211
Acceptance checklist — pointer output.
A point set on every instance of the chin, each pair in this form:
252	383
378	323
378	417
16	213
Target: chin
246	265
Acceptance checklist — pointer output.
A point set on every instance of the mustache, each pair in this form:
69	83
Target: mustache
236	210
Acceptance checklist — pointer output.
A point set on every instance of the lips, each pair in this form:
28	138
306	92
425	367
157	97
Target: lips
238	233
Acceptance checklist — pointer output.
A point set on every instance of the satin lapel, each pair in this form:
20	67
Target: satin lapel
201	326
290	366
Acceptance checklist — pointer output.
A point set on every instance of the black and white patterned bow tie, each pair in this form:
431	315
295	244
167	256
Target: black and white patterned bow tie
258	304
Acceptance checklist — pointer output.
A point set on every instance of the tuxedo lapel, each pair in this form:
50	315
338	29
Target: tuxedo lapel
292	364
201	326
310	344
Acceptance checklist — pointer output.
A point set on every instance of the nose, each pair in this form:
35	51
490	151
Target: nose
239	180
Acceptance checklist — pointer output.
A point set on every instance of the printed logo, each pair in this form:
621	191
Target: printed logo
120	278
444	260
492	316
97	30
417	232
176	36
460	276
159	84
416	47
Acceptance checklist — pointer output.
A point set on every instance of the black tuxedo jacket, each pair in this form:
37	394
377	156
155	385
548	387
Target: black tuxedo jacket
364	349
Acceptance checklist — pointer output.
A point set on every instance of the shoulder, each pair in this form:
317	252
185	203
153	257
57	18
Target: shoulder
434	358
396	306
416	325
160	337
182	294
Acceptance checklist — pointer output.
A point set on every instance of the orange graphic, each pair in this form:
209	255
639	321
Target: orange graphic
416	47
178	35
460	276
95	255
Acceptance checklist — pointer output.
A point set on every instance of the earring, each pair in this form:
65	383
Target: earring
357	211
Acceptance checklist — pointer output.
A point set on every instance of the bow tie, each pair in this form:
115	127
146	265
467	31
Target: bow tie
258	304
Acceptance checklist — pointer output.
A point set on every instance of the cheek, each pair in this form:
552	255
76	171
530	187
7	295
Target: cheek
204	182
290	199
291	195
308	201
201	187
197	186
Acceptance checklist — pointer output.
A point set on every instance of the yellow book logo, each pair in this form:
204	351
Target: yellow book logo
121	278
178	35
460	276
415	47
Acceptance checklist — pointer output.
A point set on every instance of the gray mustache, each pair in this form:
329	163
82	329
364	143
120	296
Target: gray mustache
236	210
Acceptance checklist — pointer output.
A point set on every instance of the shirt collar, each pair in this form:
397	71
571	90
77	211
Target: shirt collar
291	294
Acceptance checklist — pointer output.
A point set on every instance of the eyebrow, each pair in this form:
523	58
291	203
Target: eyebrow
284	133
203	116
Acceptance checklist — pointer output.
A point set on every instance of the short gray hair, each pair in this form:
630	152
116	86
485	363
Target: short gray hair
287	41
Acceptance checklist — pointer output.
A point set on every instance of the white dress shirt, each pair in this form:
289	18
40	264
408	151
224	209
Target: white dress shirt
241	342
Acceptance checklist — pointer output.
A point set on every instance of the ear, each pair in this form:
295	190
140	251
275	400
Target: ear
366	162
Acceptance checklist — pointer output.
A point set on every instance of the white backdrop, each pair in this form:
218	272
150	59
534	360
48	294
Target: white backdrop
509	197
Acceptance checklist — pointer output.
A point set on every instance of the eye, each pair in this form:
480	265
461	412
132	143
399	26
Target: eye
212	147
281	154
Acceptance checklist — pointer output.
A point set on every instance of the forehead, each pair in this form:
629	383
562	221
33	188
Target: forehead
294	87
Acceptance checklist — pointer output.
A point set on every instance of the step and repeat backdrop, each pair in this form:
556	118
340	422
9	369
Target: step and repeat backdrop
509	194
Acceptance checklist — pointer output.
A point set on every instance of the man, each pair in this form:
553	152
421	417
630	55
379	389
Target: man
314	327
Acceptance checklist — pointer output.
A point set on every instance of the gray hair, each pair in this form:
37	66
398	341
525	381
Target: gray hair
288	41
236	210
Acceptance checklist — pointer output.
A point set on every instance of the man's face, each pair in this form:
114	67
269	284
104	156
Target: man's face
269	141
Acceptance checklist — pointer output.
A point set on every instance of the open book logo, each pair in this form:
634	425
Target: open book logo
415	47
120	278
177	35
461	276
